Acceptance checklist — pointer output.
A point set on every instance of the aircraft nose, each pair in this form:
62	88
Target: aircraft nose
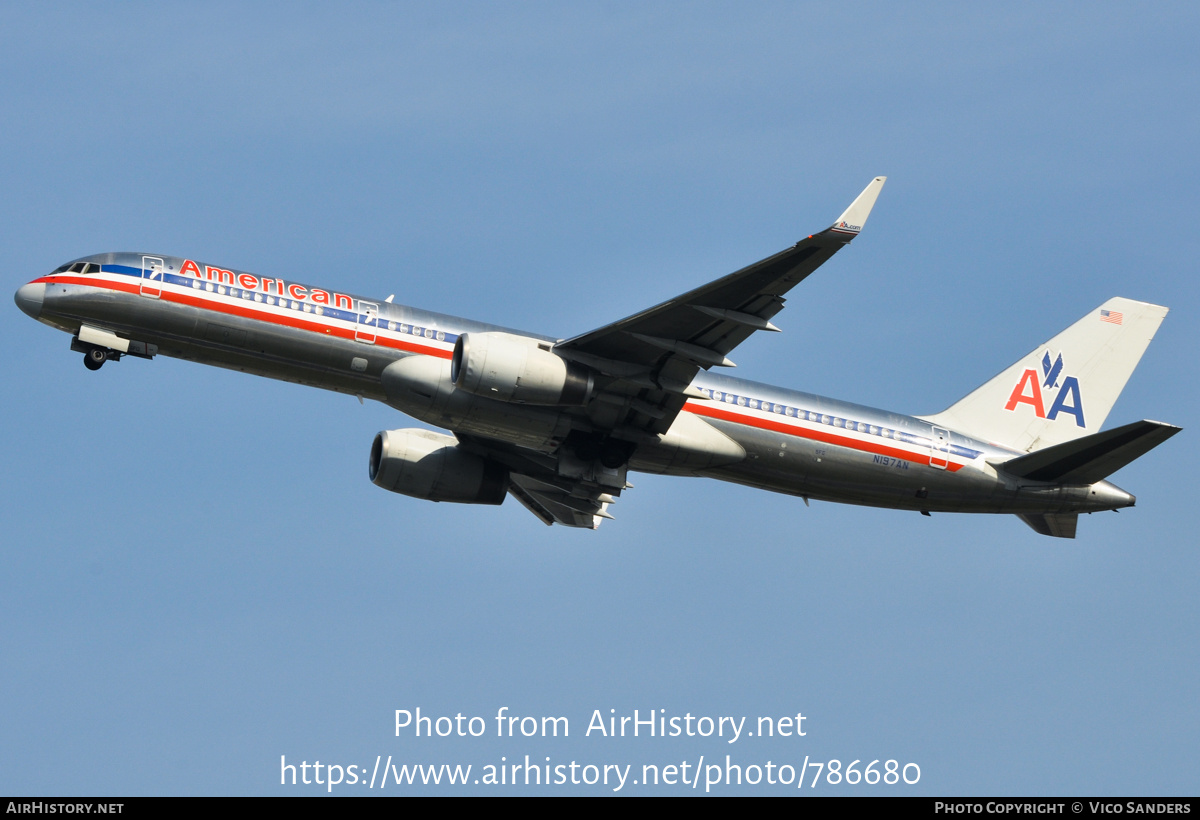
29	298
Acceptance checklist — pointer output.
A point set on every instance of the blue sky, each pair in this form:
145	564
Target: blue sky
197	577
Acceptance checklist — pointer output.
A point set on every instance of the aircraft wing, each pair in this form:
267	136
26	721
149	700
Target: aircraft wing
553	504
652	356
645	364
536	482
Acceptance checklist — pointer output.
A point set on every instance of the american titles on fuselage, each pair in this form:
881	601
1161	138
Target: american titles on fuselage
261	290
252	284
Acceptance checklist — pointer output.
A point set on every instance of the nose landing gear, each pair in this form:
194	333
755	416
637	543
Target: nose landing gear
94	355
99	346
95	358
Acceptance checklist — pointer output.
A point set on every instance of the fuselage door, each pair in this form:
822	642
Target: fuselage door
152	276
939	449
368	322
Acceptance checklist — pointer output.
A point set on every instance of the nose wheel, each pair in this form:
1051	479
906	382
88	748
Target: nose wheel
95	353
95	358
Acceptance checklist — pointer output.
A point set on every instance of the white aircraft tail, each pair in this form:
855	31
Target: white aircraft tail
1063	389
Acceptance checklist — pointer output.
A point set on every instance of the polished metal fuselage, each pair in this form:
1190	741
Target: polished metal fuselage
794	442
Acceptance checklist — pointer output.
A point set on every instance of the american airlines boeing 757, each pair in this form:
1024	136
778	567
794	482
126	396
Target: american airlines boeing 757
559	423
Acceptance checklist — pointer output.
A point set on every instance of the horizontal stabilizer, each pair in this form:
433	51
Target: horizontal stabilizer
1091	458
1058	525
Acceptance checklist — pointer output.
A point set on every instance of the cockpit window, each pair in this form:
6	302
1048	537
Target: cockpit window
78	267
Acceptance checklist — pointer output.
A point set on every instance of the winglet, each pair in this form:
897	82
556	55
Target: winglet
854	217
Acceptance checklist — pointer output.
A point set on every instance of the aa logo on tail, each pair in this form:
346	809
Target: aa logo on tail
1033	390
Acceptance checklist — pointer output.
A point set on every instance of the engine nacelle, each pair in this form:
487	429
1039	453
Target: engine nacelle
429	465
518	369
420	386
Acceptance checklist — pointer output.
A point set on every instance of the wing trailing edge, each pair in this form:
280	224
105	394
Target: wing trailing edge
554	505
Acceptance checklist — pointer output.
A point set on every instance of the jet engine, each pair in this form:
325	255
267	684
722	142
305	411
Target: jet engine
431	466
515	368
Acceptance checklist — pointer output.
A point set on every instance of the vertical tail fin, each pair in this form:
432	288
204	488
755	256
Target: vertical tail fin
1064	388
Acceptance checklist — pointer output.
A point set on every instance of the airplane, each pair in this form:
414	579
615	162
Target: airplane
558	424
